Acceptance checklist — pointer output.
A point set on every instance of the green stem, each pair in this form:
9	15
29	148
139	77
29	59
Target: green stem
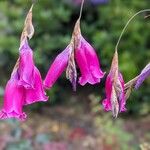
124	29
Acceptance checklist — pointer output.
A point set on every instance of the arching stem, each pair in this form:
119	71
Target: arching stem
81	9
124	29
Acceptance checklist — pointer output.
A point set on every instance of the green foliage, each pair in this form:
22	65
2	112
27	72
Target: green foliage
101	26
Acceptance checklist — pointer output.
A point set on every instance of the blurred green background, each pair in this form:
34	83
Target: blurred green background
101	24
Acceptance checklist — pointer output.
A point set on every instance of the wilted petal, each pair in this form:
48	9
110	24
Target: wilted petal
37	93
144	74
57	68
14	97
88	63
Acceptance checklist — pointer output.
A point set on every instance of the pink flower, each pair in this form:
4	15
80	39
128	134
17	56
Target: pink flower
14	97
57	68
88	63
24	87
29	76
114	87
87	60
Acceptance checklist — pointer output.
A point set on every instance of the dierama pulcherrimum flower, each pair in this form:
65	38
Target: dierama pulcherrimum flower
145	73
25	85
87	60
84	54
13	99
114	88
29	75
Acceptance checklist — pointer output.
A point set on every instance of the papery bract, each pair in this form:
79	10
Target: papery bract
145	73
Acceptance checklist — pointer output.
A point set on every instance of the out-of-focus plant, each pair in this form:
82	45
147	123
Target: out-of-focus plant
113	133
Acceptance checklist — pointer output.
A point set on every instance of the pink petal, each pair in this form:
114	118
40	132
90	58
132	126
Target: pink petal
26	65
29	76
106	104
88	63
37	94
108	88
57	68
14	97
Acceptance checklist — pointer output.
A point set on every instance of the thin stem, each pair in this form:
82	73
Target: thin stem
145	10
34	1
147	16
81	9
131	82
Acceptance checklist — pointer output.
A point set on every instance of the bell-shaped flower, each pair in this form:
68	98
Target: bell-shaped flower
14	98
25	85
29	76
88	63
114	88
145	73
82	52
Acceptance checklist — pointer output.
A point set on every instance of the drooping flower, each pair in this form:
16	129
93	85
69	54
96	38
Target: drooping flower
114	88
25	85
88	63
29	76
14	97
145	73
87	60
